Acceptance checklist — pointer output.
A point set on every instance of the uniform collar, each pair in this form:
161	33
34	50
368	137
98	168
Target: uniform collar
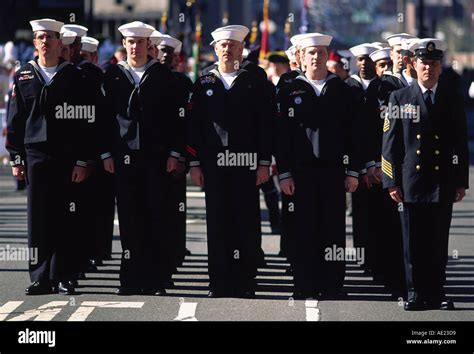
424	89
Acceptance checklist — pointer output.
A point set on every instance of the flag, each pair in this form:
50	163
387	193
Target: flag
253	34
164	22
286	43
304	17
197	46
265	34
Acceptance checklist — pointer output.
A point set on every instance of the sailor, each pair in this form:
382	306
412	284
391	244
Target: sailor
318	160
425	167
169	48
141	95
48	147
230	117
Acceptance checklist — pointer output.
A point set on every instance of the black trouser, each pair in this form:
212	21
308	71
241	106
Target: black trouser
52	217
177	217
425	242
142	190
233	226
360	223
270	193
104	211
320	225
288	227
385	236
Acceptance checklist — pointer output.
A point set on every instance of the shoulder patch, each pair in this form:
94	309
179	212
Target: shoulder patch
297	92
386	125
207	79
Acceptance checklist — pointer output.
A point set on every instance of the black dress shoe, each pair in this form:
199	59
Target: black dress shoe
96	262
73	283
91	268
245	293
160	292
218	294
445	305
412	305
81	276
301	295
187	252
39	288
123	291
65	288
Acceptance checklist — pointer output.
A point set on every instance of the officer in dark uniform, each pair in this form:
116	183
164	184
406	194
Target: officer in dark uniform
230	116
425	167
169	48
142	97
43	134
317	154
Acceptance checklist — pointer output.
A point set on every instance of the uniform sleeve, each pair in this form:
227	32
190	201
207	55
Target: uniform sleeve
393	149
16	124
461	150
284	135
177	113
194	116
266	112
106	127
355	149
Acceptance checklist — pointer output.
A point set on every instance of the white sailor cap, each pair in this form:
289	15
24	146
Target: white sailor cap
136	29
314	39
290	53
89	44
298	37
380	54
46	24
379	45
234	32
409	43
81	31
396	39
67	37
172	42
363	49
156	37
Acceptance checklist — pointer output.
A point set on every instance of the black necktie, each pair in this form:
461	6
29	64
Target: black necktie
428	101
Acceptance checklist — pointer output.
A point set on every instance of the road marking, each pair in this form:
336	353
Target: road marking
195	194
87	307
312	311
43	313
8	308
187	311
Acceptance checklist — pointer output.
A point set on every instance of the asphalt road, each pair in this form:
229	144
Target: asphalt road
187	301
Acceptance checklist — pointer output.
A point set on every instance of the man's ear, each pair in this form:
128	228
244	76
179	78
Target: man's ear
123	42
